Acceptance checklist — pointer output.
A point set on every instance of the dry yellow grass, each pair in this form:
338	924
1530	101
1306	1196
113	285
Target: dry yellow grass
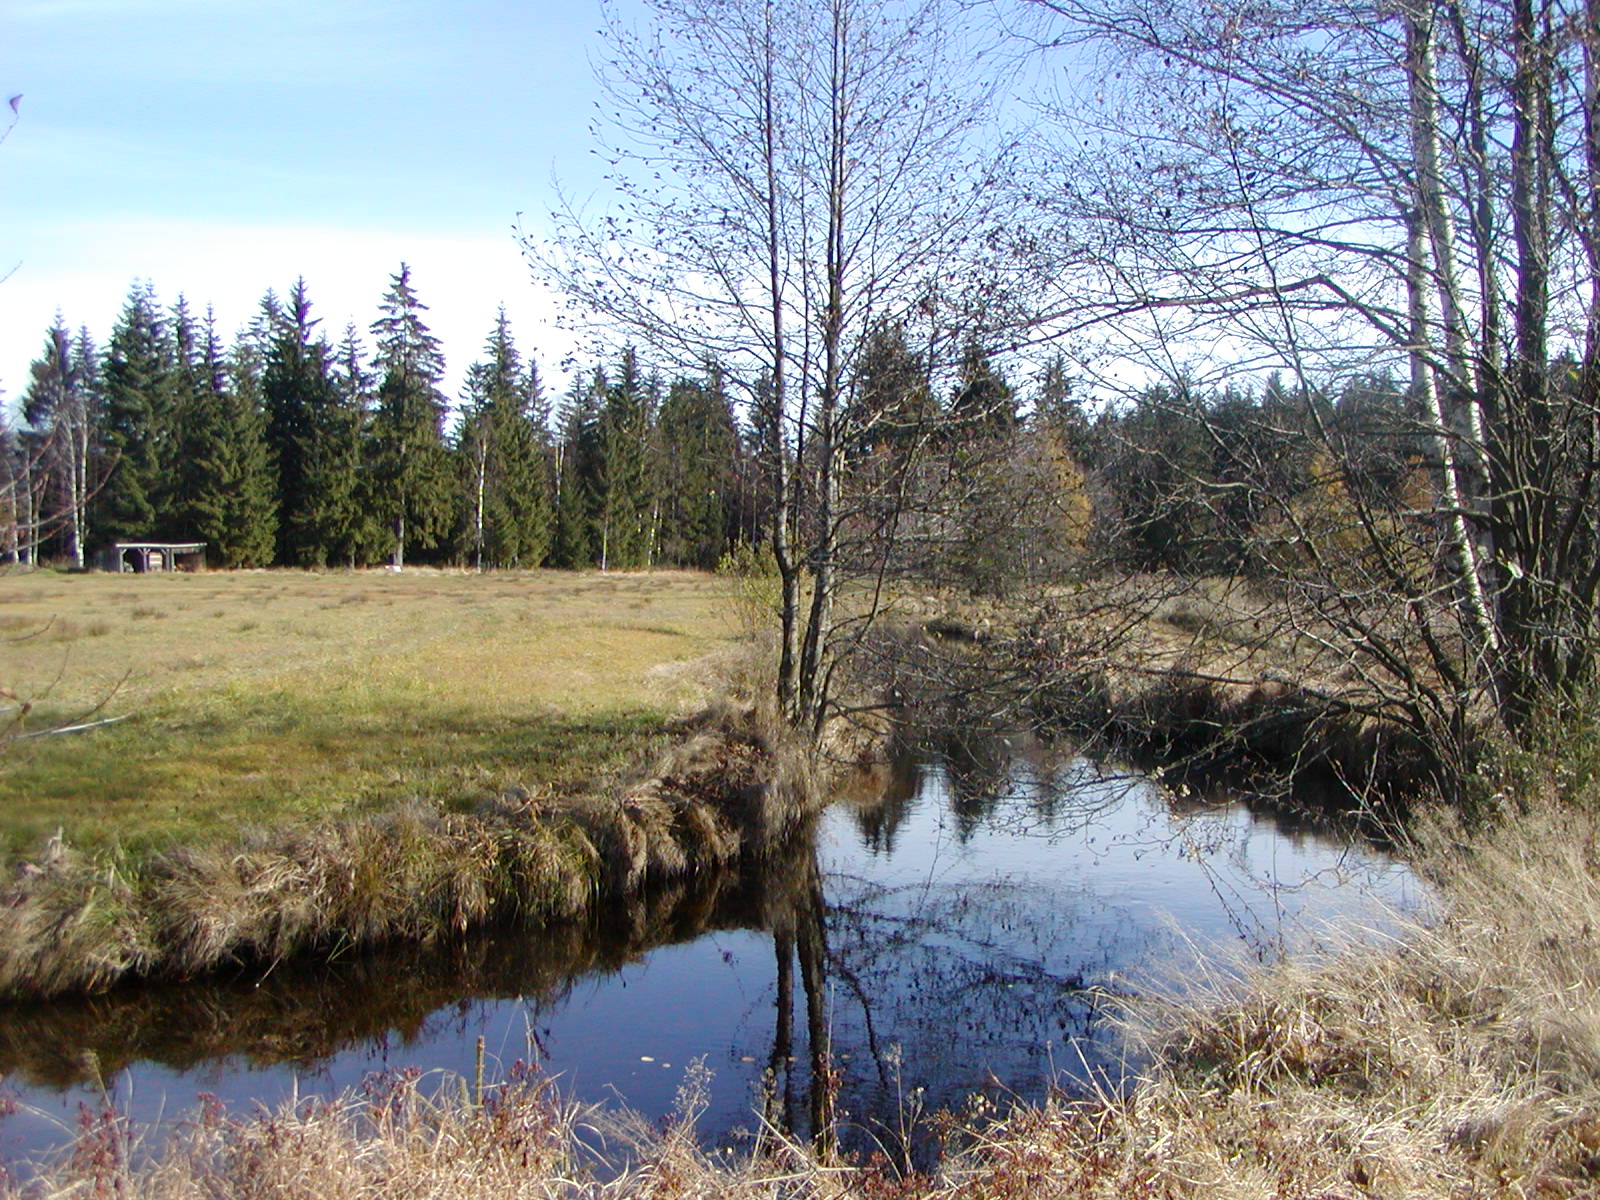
277	696
431	1139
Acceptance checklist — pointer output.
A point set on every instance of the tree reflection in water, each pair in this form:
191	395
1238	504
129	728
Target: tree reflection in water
799	925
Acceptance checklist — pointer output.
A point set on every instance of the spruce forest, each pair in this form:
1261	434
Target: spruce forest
283	447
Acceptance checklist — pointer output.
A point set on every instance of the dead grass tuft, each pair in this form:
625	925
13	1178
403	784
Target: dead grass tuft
401	1134
79	923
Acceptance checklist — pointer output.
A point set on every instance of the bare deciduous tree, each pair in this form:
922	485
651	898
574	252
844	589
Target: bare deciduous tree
1345	187
790	177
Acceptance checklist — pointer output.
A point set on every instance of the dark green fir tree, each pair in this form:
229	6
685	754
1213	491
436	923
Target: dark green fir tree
341	462
626	494
140	390
506	487
578	467
982	403
411	464
297	389
698	442
225	468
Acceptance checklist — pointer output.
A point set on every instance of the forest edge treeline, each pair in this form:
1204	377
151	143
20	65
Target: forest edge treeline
282	448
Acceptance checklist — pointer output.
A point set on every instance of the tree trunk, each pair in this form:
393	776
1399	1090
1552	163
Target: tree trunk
477	512
1522	491
816	667
780	476
812	944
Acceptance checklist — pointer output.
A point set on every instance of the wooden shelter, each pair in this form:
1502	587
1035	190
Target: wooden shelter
144	557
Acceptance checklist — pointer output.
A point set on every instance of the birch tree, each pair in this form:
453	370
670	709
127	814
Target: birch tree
1340	188
787	176
61	406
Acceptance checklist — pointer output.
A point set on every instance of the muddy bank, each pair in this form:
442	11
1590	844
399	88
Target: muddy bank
727	791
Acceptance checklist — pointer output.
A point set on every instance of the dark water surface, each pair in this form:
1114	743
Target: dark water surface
955	931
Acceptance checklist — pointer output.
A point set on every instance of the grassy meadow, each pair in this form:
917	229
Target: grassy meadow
270	698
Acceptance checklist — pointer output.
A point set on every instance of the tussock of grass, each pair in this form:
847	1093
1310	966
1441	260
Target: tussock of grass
80	923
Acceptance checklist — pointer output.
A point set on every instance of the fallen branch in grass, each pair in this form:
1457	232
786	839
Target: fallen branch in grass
78	728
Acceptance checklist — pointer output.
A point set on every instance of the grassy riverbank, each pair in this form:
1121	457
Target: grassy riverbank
313	762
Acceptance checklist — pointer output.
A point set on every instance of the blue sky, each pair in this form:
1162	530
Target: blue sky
221	147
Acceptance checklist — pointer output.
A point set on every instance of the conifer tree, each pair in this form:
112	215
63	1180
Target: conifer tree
225	470
341	466
257	336
186	351
194	423
87	371
983	402
891	407
140	385
698	441
298	391
506	494
411	466
539	411
578	475
625	494
247	462
532	502
1058	408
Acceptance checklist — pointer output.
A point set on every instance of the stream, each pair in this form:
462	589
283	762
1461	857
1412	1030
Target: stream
955	933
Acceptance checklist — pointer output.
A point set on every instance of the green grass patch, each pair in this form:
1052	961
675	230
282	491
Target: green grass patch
277	758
